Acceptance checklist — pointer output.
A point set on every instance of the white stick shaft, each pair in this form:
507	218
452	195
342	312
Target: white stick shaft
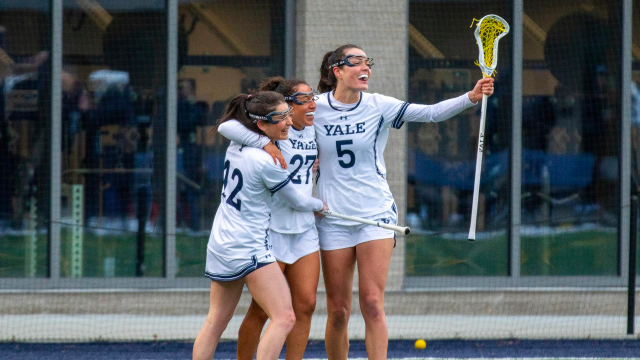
404	230
476	182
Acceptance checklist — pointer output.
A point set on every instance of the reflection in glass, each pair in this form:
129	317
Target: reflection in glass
113	89
442	156
25	73
215	66
570	144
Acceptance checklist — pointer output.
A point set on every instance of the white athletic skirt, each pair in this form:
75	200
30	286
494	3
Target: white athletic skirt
335	234
288	248
222	268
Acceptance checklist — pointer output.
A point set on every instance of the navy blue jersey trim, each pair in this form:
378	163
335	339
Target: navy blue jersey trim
375	142
353	108
240	274
280	185
397	122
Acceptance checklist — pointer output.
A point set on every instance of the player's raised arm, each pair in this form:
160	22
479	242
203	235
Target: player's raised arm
398	112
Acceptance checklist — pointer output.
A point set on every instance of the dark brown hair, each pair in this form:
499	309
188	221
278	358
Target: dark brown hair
261	103
280	85
328	79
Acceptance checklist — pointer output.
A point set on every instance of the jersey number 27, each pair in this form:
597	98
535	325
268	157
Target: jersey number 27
310	159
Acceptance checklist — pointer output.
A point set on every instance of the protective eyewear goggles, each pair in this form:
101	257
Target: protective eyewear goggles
301	98
273	117
353	60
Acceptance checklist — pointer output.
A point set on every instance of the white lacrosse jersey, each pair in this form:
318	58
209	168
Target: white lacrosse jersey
241	225
351	139
300	152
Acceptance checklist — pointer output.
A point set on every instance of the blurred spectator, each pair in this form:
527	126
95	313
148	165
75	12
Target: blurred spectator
75	105
22	87
191	115
113	106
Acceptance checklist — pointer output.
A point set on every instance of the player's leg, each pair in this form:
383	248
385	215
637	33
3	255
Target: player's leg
302	277
269	289
373	259
251	329
223	299
338	267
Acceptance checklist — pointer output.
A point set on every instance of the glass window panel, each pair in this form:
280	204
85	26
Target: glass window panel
570	137
226	47
25	81
113	89
442	156
635	108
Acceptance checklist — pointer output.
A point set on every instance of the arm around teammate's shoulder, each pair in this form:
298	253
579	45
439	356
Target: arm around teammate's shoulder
301	201
279	181
235	131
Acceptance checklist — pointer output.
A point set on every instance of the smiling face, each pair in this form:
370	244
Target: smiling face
279	131
303	114
354	77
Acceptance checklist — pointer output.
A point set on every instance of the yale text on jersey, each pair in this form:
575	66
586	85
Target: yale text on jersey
302	145
346	129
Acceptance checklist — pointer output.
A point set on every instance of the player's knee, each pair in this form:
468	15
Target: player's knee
215	320
290	320
339	316
372	307
304	308
285	321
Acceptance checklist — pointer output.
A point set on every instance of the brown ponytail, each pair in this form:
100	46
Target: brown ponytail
328	80
260	103
280	85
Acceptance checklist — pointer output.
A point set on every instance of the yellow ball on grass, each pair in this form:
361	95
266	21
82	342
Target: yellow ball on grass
420	344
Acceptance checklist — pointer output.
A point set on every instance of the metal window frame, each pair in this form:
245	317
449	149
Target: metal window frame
290	39
516	141
55	141
625	138
171	166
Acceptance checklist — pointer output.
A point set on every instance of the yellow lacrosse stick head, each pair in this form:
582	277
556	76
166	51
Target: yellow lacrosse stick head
489	31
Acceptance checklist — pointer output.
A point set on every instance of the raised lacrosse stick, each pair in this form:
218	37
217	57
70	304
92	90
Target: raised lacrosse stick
489	31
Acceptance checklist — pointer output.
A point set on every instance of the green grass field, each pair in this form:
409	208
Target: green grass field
572	253
121	247
590	252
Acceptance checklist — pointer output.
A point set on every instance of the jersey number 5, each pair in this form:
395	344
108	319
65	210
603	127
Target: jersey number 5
342	152
235	174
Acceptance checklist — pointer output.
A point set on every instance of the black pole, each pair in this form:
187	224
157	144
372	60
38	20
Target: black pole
142	223
631	296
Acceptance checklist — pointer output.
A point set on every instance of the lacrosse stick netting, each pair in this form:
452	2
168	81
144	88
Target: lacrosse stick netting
489	31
